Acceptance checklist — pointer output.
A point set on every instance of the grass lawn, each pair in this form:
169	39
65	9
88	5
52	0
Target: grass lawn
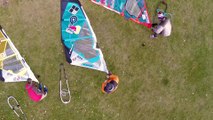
167	79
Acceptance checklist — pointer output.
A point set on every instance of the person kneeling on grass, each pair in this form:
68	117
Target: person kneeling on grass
35	90
111	84
163	28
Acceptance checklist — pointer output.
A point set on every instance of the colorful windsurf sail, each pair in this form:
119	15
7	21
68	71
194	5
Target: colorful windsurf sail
78	38
134	10
13	67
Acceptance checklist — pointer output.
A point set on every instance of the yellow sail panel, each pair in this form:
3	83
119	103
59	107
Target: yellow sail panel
2	47
2	37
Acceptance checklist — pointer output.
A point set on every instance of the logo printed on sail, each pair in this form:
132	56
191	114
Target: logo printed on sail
73	19
74	10
72	28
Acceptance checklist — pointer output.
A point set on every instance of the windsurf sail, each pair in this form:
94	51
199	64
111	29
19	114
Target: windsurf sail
78	37
134	10
13	67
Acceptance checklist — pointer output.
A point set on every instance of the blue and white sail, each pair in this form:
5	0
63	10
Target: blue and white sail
78	37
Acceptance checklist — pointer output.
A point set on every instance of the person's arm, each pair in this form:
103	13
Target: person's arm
158	29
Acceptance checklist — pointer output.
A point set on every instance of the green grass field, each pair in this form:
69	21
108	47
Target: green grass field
168	79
